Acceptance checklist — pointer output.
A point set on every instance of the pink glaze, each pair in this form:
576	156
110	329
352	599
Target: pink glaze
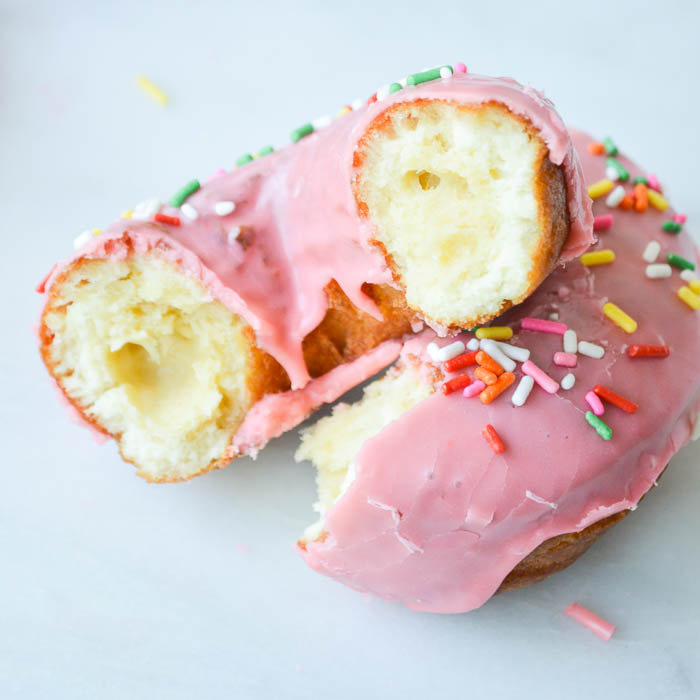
540	376
595	403
539	324
435	520
274	414
597	625
474	389
298	206
565	359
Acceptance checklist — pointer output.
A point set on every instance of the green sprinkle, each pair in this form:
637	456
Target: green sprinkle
265	151
605	431
610	147
394	87
300	132
639	180
679	262
245	158
425	76
622	172
184	192
671	227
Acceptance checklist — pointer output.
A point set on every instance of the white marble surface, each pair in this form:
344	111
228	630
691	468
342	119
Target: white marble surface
111	588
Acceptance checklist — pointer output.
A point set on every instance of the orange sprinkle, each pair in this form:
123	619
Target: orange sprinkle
456	383
595	148
627	201
493	438
615	399
485	375
485	360
491	392
641	197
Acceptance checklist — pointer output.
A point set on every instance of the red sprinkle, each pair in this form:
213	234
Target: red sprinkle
456	383
372	98
602	223
649	351
596	149
492	437
165	219
615	399
460	362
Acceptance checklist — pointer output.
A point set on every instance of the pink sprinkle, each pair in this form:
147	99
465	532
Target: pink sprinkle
653	182
595	403
460	68
215	175
595	624
602	223
474	389
565	359
242	547
680	218
539	324
542	378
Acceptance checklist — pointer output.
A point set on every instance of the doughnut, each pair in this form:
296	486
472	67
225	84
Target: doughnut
436	491
195	332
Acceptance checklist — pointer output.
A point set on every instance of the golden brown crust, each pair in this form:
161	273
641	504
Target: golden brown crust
556	554
550	195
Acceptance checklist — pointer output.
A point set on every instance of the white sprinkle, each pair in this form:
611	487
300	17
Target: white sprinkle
688	276
658	271
382	92
490	347
233	234
612	174
403	82
82	239
322	122
433	350
224	208
591	349
568	381
473	344
450	351
570	341
651	252
357	103
189	211
523	391
146	209
445	72
554	316
513	351
616	196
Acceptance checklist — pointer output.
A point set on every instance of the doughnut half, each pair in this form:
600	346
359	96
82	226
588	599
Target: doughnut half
415	505
199	336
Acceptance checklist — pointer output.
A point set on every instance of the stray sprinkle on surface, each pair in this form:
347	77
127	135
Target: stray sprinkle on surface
152	90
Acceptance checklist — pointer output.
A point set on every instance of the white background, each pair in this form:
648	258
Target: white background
112	588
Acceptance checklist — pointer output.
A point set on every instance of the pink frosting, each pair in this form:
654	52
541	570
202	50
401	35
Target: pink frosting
436	520
297	210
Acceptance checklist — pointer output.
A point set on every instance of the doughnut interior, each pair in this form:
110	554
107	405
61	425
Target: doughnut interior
465	204
149	357
331	443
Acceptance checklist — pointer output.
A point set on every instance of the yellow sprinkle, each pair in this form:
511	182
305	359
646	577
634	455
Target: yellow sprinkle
126	214
598	257
693	300
343	110
152	90
695	286
618	316
96	231
657	200
598	189
495	332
